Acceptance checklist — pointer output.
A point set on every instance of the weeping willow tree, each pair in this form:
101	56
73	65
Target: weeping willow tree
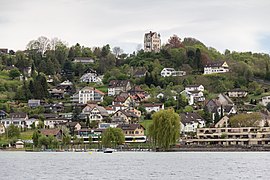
112	137
165	129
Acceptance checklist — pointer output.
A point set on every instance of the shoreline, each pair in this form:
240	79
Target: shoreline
178	149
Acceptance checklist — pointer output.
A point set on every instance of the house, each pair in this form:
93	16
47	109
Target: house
136	90
3	51
2	128
32	103
3	114
118	86
223	122
90	76
66	86
54	108
83	60
191	88
132	129
19	144
68	116
265	100
53	122
95	112
232	136
153	107
160	96
194	93
88	94
19	122
107	125
140	73
190	122
57	93
57	133
74	126
237	93
167	72
124	99
216	67
29	123
152	42
222	104
224	99
18	119
125	117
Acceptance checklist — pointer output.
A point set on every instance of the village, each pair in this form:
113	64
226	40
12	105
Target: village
84	112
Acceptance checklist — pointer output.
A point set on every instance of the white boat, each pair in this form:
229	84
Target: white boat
108	150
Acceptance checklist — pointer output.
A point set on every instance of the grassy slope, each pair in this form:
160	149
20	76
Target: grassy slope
9	84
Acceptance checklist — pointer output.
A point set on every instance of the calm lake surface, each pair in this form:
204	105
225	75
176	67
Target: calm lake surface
135	165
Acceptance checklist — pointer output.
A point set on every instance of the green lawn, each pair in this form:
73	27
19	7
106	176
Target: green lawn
27	135
103	88
146	124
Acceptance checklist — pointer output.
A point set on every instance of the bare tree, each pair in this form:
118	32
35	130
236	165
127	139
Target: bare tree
42	44
117	51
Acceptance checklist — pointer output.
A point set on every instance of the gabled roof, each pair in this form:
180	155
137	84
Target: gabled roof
237	90
152	104
215	64
18	115
136	89
193	85
140	72
130	126
128	113
190	118
50	132
92	89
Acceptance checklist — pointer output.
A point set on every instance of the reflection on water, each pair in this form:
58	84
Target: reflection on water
135	165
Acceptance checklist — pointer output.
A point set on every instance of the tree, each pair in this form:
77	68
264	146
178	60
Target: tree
165	128
13	73
13	131
245	120
42	44
35	137
175	42
43	141
113	137
117	51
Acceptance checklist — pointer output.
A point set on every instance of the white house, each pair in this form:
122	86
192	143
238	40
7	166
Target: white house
90	76
216	67
190	122
18	119
88	94
265	100
194	93
152	42
237	93
153	107
83	60
191	88
53	122
30	121
166	72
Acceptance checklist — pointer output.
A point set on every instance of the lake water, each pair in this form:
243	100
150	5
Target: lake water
135	165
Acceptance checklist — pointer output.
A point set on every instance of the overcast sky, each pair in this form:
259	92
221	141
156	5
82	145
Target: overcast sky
240	25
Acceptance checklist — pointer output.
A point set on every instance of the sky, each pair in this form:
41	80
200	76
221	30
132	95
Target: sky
237	25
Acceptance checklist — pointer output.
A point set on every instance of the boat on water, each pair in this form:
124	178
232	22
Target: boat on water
108	150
